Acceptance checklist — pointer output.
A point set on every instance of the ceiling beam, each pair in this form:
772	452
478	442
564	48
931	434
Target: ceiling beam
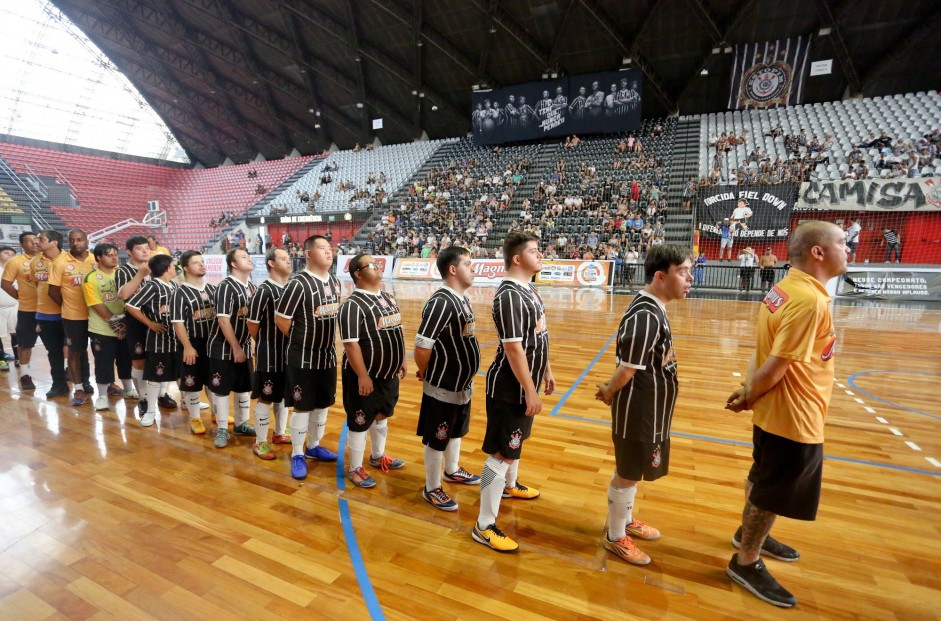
353	41
506	21
825	11
709	19
560	33
418	24
302	53
900	50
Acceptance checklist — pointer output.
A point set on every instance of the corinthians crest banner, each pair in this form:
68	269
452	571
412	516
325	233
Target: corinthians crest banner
769	74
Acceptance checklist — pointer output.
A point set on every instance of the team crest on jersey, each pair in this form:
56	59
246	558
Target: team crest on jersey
775	299
516	439
359	418
216	380
99	276
70	267
138	348
204	296
442	432
189	381
38	263
655	460
160	370
268	388
298	393
382	303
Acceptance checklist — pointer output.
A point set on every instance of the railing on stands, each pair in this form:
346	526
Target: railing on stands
723	276
32	176
61	178
35	201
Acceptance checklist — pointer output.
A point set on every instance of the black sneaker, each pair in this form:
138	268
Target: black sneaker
757	579
166	402
57	391
26	383
771	547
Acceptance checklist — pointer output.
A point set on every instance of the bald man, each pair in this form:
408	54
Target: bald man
787	387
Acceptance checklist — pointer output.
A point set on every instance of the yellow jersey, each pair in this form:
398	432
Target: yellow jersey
40	266
18	270
794	323
161	250
68	273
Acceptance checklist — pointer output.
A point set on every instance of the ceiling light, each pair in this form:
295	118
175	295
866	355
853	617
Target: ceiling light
824	31
704	72
316	125
434	108
359	105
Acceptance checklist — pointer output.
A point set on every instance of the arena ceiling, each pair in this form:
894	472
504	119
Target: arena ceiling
234	78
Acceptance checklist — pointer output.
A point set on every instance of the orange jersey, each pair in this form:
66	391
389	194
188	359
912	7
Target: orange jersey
40	266
18	270
68	273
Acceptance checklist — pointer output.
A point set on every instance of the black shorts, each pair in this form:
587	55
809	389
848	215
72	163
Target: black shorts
135	338
307	390
852	246
76	334
194	377
362	411
268	386
785	476
226	376
767	275
641	461
26	329
507	427
439	421
108	350
162	367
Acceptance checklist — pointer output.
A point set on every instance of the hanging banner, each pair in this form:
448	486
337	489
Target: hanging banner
748	212
922	194
891	284
343	266
575	273
769	74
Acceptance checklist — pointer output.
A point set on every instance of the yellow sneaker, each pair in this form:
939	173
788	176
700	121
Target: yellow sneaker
521	492
493	537
197	427
641	530
625	549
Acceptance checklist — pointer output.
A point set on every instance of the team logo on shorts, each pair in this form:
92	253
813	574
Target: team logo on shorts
96	345
38	328
268	388
655	462
516	439
160	370
298	393
216	380
359	418
442	432
189	381
68	341
138	348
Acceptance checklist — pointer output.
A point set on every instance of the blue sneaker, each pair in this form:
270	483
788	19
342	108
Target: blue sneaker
298	467
359	478
320	453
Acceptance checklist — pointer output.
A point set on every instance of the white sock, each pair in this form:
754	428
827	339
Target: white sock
299	423
191	399
243	407
280	418
318	424
452	455
222	410
126	382
511	473
138	376
262	419
433	460
103	390
356	443
492	482
377	437
163	388
620	507
24	369
153	393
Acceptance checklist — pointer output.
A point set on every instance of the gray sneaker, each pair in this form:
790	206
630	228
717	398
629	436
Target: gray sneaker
243	429
222	437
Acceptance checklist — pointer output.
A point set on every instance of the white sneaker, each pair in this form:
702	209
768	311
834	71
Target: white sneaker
148	419
203	405
131	393
101	403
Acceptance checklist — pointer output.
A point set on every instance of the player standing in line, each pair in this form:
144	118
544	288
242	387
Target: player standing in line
151	307
106	322
17	271
66	288
447	355
307	315
373	364
270	345
642	394
130	277
520	366
49	312
230	357
193	315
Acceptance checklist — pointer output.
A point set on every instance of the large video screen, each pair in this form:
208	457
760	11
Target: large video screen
583	104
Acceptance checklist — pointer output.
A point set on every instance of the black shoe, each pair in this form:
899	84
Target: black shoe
771	547
88	389
166	402
759	581
26	383
57	391
142	406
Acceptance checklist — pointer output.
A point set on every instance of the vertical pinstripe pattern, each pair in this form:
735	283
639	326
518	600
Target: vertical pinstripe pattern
271	343
195	308
518	313
448	320
312	304
376	323
232	298
153	300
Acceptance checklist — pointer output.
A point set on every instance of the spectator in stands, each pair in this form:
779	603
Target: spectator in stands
699	269
767	262
777	131
746	262
357	148
893	244
727	233
155	248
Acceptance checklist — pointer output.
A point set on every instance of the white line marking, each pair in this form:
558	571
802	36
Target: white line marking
895	431
882	420
869	409
912	445
849	393
840	385
859	401
934	462
734	374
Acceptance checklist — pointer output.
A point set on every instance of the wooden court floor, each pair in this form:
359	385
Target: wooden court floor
103	519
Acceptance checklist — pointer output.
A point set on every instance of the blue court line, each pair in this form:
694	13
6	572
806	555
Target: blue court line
692	436
851	380
579	379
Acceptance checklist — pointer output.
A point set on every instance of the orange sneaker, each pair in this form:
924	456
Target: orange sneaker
625	549
641	530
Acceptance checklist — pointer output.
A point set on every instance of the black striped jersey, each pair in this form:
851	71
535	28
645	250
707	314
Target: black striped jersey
312	304
374	320
232	299
643	410
271	343
153	300
519	316
122	276
195	308
448	329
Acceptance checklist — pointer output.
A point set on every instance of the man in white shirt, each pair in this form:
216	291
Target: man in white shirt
852	237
